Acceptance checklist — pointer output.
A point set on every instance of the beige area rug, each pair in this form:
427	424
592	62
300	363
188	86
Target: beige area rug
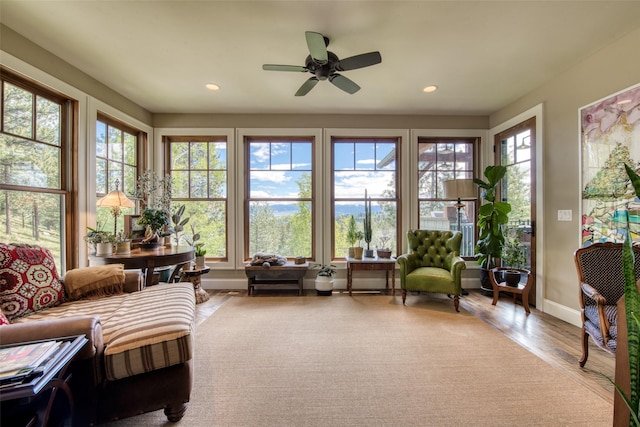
370	361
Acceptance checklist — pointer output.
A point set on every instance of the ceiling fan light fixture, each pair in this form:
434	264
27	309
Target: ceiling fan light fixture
429	89
212	86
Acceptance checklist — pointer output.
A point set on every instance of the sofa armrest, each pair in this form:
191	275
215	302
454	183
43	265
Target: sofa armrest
89	326
133	281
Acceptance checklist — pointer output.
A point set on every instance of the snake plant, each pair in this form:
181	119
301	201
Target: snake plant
632	310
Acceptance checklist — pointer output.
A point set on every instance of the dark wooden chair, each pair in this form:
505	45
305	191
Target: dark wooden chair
601	281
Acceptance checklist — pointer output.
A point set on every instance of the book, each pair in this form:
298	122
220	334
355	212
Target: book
19	361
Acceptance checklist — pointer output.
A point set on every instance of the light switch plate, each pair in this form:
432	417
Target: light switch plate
565	215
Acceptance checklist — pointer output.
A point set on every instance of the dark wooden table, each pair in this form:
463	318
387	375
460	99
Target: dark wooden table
33	401
148	259
372	264
194	277
288	273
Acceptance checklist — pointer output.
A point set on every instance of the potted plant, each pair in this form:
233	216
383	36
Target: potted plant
383	251
123	242
368	233
102	241
632	308
199	252
154	220
354	236
492	216
198	247
324	278
513	255
178	223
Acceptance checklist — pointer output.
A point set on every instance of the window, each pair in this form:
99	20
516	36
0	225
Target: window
439	160
365	165
279	208
198	168
35	145
118	150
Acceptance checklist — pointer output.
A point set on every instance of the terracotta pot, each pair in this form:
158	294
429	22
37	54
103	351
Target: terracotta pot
357	252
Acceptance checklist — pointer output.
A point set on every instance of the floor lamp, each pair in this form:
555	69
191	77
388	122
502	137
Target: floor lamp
460	189
115	200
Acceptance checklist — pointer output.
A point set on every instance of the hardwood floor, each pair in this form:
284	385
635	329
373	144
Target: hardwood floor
551	339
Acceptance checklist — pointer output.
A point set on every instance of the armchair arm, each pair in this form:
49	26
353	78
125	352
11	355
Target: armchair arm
89	326
406	267
591	292
457	265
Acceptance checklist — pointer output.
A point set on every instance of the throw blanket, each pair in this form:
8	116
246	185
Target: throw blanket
94	281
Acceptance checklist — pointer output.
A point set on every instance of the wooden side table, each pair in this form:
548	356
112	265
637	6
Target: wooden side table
372	264
194	276
521	289
289	273
33	401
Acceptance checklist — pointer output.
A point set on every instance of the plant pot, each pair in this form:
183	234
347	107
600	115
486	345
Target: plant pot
149	246
357	252
485	282
200	261
352	252
324	285
104	248
368	253
123	247
511	277
384	253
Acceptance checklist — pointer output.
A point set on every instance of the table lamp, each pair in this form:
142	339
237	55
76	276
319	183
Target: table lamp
115	200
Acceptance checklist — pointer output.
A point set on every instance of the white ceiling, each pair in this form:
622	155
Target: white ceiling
482	55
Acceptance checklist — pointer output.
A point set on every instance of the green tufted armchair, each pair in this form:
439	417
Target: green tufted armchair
433	264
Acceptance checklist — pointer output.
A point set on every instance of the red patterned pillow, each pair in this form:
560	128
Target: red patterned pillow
29	281
3	319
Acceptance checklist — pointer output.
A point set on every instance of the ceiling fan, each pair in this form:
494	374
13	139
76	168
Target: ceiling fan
325	65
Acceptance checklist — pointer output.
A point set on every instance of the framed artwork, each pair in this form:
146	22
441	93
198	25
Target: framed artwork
132	227
609	138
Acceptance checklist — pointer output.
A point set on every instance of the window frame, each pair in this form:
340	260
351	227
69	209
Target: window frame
474	141
214	137
279	137
68	158
360	136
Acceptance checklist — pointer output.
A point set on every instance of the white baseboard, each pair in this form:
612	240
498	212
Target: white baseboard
562	312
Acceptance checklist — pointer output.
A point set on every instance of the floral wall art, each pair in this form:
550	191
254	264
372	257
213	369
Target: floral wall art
610	137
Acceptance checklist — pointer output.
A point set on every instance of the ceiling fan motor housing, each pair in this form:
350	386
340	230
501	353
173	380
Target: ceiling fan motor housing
322	70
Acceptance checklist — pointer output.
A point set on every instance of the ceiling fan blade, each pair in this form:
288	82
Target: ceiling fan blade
344	83
317	47
359	61
307	86
274	67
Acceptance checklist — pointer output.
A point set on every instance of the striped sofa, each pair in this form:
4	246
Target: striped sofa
139	355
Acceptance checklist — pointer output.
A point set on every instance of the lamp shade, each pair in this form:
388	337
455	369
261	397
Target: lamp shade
460	189
115	199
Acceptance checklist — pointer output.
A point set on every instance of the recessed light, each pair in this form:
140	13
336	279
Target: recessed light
212	86
430	89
